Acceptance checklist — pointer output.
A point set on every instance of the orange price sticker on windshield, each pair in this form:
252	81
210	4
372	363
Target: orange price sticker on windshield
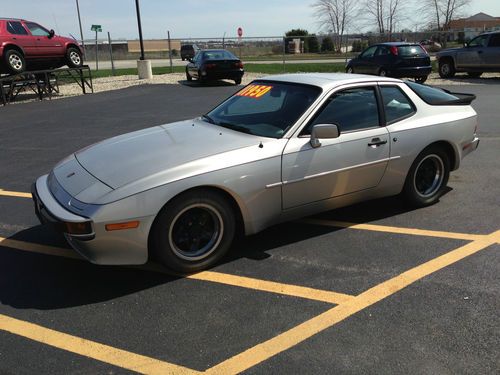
254	91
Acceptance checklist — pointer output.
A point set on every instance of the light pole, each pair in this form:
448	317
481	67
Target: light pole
80	23
138	11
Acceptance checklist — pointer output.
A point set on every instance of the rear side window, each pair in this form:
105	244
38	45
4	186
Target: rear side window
414	50
435	96
397	106
16	28
494	40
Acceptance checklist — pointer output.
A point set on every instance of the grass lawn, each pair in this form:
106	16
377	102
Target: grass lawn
254	68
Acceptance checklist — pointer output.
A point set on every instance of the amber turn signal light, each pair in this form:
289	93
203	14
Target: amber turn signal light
121	226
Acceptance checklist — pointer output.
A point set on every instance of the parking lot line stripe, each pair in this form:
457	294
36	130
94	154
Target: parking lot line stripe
14	194
38	248
104	353
272	287
397	230
215	277
261	352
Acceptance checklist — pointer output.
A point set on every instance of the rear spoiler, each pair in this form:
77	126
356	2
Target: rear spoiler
463	98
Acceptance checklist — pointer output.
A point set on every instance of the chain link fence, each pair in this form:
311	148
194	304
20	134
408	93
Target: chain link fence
270	49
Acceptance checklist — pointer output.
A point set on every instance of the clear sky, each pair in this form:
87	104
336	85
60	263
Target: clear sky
184	19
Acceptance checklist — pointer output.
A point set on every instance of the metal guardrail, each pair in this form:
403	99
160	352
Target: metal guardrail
43	83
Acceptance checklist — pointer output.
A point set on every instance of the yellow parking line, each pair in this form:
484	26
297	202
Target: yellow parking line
296	335
38	248
397	230
272	287
91	349
215	277
14	194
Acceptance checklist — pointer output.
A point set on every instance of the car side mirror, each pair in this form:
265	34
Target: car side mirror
323	131
190	59
51	33
466	44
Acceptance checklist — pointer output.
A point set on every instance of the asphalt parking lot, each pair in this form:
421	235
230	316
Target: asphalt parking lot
372	288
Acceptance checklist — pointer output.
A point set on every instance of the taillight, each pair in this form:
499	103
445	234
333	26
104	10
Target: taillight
394	50
210	66
238	64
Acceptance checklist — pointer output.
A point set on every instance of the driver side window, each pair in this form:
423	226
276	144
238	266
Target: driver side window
480	41
36	30
351	110
369	52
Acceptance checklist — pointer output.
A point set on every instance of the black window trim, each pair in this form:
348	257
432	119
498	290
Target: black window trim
381	105
381	115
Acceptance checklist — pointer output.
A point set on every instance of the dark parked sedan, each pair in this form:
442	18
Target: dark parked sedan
395	59
213	64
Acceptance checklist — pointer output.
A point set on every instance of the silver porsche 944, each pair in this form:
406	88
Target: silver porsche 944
283	147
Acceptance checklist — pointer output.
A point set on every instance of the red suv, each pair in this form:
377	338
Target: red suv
25	45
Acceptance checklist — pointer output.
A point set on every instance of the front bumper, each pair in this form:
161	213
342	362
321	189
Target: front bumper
97	245
49	211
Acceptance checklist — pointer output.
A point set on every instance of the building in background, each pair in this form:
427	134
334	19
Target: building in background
473	25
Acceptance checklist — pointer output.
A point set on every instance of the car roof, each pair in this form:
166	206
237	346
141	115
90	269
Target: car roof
397	44
327	80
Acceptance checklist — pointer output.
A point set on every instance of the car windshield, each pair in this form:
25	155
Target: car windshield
264	108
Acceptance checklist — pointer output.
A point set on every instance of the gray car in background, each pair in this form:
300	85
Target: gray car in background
481	54
281	148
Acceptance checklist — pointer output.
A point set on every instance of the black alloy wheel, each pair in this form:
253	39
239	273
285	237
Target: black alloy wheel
193	231
427	177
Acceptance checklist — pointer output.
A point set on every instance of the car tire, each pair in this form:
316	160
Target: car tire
14	61
421	79
237	81
201	80
193	231
349	70
446	69
474	74
188	77
382	72
427	177
74	58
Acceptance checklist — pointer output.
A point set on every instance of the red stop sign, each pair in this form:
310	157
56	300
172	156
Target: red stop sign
240	32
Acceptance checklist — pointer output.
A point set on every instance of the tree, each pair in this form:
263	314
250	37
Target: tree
441	12
334	16
327	44
313	44
385	14
293	34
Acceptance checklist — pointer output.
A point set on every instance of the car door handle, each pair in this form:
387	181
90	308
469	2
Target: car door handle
377	142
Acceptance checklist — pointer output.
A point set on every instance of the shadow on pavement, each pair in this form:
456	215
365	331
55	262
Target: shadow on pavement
38	281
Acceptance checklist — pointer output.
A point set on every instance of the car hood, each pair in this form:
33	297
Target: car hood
136	156
447	50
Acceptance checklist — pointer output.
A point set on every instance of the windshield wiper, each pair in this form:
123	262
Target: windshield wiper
235	127
208	119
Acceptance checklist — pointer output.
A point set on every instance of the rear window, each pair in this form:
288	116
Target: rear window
218	55
435	96
414	50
